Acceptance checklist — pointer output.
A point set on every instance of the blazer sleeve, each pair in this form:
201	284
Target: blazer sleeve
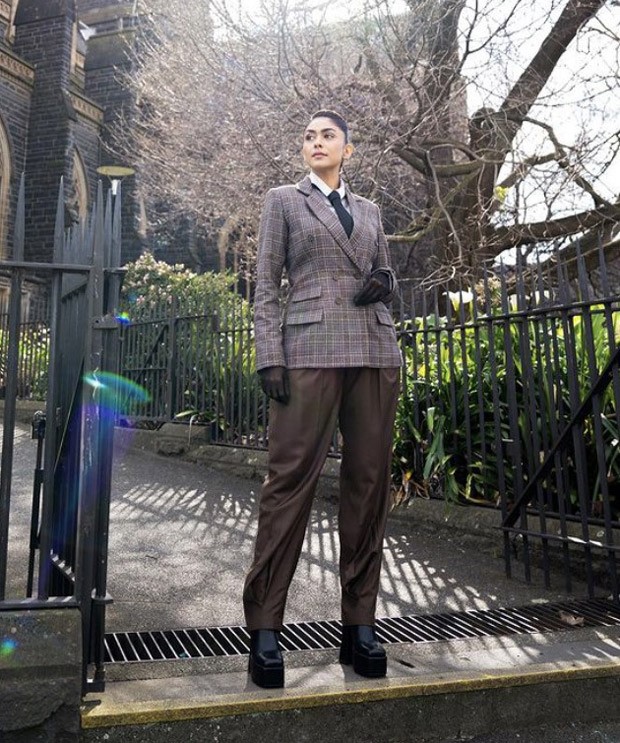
272	244
382	261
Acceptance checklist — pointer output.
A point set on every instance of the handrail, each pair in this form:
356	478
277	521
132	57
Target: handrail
580	415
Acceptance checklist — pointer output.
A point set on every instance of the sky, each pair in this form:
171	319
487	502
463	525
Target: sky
575	100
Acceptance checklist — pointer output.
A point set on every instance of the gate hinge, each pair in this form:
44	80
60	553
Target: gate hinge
101	600
107	322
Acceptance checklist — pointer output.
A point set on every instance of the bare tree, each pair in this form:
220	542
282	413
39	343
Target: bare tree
481	126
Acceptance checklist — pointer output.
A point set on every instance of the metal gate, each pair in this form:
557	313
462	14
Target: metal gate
595	530
564	509
71	493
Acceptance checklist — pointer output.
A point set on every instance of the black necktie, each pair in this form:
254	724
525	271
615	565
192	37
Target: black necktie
346	220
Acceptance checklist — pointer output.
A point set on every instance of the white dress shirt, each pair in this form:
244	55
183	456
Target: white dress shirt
326	190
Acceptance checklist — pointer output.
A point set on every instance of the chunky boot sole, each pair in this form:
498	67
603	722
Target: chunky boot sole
363	665
267	678
346	652
373	668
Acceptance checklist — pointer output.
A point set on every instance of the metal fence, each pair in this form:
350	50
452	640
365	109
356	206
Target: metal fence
494	375
493	372
33	349
510	399
197	369
73	357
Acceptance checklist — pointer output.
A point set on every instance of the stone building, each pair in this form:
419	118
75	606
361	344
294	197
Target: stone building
60	93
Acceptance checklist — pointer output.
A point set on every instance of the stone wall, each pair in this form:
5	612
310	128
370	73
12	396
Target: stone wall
16	83
50	110
40	675
85	135
44	36
108	60
96	8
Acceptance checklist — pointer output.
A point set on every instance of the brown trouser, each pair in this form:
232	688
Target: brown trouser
363	400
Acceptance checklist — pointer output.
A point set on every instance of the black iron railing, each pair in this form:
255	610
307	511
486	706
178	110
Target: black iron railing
494	373
512	399
67	563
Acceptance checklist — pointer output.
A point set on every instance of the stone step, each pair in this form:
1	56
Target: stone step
434	692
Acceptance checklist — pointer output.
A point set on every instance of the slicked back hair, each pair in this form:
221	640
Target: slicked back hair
336	118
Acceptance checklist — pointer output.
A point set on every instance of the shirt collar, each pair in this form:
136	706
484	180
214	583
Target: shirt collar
324	188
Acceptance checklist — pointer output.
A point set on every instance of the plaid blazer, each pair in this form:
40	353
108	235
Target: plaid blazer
320	326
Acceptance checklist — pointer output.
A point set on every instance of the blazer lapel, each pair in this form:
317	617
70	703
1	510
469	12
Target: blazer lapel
359	214
323	212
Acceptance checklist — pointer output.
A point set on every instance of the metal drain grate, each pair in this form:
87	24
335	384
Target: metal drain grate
133	647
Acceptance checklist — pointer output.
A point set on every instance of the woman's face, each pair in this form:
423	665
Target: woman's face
324	146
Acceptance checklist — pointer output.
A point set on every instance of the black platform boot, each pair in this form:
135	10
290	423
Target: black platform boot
361	647
265	665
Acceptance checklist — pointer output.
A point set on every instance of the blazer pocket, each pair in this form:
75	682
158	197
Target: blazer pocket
311	291
303	311
299	316
384	316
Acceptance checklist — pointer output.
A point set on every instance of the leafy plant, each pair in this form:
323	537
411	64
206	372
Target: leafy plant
188	339
492	393
33	356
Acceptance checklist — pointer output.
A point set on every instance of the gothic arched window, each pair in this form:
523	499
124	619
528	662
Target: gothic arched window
5	182
80	187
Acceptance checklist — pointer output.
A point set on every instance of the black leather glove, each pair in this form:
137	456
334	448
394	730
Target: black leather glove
274	381
374	290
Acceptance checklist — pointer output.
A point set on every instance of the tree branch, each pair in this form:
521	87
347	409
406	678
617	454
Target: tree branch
506	237
528	87
561	158
419	163
524	167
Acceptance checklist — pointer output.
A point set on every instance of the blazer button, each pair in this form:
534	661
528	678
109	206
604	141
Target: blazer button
338	300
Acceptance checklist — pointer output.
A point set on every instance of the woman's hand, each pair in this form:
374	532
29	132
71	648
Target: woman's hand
374	290
275	384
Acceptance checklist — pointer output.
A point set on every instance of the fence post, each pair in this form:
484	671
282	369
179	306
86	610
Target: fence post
172	360
52	412
6	471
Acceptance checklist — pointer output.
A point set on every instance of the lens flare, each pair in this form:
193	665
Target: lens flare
114	392
123	318
7	647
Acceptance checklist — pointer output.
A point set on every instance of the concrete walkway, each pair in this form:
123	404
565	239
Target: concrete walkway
182	534
181	538
444	692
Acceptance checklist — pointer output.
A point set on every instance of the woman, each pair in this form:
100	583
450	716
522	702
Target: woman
333	358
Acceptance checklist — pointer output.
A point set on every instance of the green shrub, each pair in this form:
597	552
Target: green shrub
453	422
33	357
188	340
